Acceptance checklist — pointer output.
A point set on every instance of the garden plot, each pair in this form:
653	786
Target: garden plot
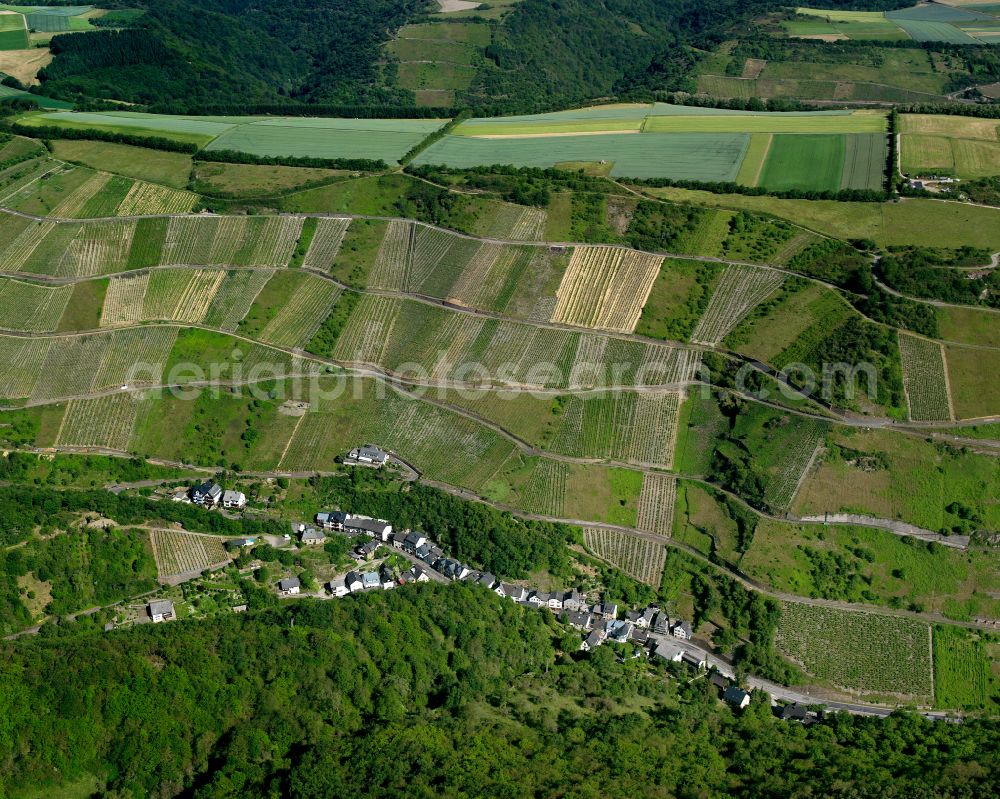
31	308
863	653
368	329
149	199
637	557
178	553
325	245
297	321
391	270
234	297
656	504
925	379
124	300
22	359
739	290
605	288
105	422
794	461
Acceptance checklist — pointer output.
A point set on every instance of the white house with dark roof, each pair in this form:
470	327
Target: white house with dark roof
208	494
353	582
161	610
311	537
290	586
368	455
592	641
682	630
339	587
331	519
736	697
669	651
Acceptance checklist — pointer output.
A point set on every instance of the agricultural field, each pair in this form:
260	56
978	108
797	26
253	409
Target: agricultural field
968	326
656	504
965	664
637	557
155	166
179	553
31	308
312	137
230	241
105	422
774	327
605	288
297	320
949	146
678	299
258	180
921	23
739	290
890	476
865	654
326	243
925	379
804	162
13	31
437	60
971	381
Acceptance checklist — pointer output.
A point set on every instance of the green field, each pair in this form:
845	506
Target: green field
315	137
862	653
157	166
804	162
964	669
13	32
682	156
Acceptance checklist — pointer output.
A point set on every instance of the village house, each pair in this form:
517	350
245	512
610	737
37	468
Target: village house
331	520
646	619
234	500
370	580
413	542
339	587
669	651
662	623
290	586
387	577
640	636
682	630
366	550
353	582
539	599
375	528
695	659
419	574
161	610
592	641
573	600
368	455
312	537
398	538
577	618
239	543
515	592
606	611
487	580
618	631
736	697
794	712
208	494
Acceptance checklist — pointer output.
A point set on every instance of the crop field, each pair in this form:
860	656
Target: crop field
963	675
369	328
738	292
924	378
681	156
865	160
31	308
438	259
628	426
819	123
326	243
391	270
921	23
148	199
231	241
520	282
513	222
178	553
637	557
75	365
656	504
972	381
605	288
234	297
21	358
13	31
315	137
179	295
788	471
297	321
105	422
806	162
862	653
535	485
935	144
124	299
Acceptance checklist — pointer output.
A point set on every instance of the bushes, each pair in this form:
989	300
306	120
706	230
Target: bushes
237	157
94	134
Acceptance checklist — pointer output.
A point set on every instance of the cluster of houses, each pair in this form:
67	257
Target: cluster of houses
211	495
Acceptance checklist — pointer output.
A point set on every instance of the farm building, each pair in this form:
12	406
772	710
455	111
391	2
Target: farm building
368	455
208	494
235	500
161	610
290	586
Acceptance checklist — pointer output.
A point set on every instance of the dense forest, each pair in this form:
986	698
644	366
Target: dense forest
186	56
430	691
